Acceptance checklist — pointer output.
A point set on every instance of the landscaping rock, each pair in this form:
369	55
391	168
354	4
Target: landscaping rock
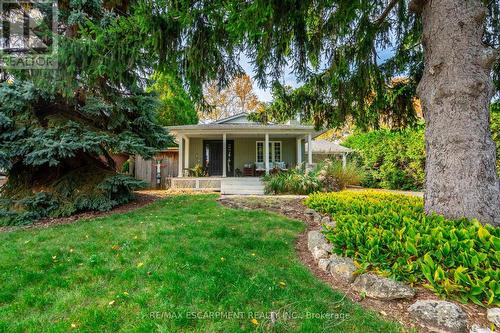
327	222
439	316
316	239
319	253
378	287
478	329
317	217
314	214
342	267
324	264
493	315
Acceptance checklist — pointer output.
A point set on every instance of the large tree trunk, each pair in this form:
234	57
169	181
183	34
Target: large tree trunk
455	91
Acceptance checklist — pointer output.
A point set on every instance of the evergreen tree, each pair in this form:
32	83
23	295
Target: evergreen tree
446	48
59	128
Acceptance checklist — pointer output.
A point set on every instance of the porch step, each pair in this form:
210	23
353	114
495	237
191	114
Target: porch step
240	185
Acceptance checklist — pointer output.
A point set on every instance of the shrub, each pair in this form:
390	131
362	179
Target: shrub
391	235
198	171
396	159
327	176
84	189
126	167
334	177
390	159
293	181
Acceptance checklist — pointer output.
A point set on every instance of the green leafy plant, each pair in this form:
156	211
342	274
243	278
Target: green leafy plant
198	171
391	235
126	167
390	159
293	181
327	176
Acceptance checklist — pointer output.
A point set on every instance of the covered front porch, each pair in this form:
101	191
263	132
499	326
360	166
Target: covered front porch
238	153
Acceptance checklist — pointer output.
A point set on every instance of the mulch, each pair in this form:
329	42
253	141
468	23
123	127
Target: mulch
393	310
143	198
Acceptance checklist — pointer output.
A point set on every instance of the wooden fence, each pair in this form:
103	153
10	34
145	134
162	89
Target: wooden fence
156	171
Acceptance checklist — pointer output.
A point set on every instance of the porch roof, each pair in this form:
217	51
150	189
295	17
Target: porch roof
244	128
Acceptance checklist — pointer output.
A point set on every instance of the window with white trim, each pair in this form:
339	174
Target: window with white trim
260	151
274	151
277	151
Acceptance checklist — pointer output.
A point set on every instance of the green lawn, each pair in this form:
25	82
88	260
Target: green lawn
169	267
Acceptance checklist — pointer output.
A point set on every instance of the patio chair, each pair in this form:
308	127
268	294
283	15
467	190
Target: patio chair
281	165
260	168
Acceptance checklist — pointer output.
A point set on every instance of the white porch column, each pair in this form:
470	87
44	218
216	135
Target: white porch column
344	160
186	152
309	149
224	155
181	156
266	153
299	151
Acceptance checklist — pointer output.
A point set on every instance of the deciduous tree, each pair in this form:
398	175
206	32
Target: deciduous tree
237	97
176	107
245	98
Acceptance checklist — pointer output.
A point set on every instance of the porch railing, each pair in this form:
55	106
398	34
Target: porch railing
196	183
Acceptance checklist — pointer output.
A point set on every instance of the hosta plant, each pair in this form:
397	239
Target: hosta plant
391	235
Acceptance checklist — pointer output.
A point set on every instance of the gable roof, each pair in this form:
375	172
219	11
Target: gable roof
251	126
239	118
327	147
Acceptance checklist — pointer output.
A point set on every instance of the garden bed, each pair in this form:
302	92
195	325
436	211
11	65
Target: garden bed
392	236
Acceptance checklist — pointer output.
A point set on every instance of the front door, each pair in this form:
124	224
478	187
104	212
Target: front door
212	157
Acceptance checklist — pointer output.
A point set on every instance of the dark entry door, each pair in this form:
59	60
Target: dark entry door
212	157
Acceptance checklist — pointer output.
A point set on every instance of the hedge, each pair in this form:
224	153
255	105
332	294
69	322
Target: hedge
390	159
396	159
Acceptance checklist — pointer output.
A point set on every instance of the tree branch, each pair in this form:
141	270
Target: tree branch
386	12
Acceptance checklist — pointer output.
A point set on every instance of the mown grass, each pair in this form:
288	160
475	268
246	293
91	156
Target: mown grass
152	269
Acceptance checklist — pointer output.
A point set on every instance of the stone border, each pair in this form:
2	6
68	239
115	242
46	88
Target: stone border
395	310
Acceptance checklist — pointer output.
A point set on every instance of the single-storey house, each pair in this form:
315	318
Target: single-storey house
231	154
236	146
